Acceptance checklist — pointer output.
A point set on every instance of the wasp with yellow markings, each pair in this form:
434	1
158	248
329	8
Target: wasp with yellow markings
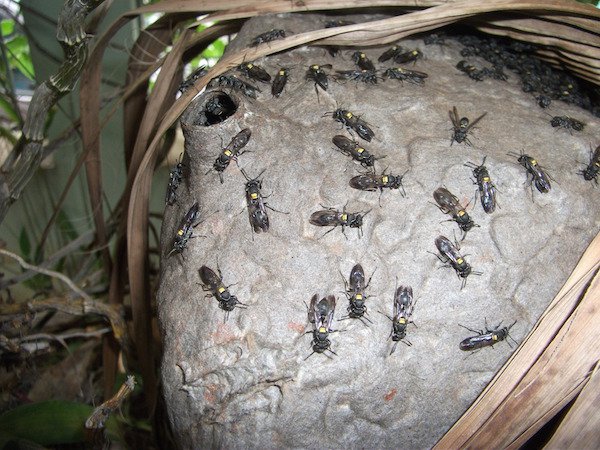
320	314
356	152
450	256
231	151
591	171
186	229
257	211
362	61
461	126
279	81
373	182
214	284
254	72
539	177
355	291
390	53
487	190
257	207
353	122
331	217
487	339
448	203
412	55
316	73
403	311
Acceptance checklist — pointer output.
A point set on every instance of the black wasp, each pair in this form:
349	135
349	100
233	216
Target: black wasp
320	314
257	211
462	126
390	53
366	76
195	76
403	310
543	101
175	178
473	72
399	73
567	123
487	190
268	36
338	23
331	217
448	203
350	121
230	81
435	38
412	55
316	73
231	151
539	177
361	60
254	72
257	207
186	229
279	81
487	339
450	256
214	283
372	182
219	108
591	171
351	148
355	291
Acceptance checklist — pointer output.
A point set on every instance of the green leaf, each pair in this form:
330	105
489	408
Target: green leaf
8	135
17	45
7	26
8	108
19	55
214	50
51	423
39	282
24	243
65	226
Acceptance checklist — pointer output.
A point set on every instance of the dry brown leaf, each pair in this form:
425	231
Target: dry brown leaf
137	241
579	429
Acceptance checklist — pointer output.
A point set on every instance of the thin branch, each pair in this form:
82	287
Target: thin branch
77	307
50	273
30	343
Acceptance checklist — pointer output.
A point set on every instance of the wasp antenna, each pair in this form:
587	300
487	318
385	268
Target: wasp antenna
309	355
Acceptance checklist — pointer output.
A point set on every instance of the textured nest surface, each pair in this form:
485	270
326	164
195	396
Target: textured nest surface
245	382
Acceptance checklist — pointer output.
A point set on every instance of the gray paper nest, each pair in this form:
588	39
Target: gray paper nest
245	382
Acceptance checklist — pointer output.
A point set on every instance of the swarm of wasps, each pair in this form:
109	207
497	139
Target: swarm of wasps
322	309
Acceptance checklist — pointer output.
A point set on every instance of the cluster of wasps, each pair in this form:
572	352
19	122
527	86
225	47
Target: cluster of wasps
321	311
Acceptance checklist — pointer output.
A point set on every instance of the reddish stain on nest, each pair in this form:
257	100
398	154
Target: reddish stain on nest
210	393
296	327
223	334
390	395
